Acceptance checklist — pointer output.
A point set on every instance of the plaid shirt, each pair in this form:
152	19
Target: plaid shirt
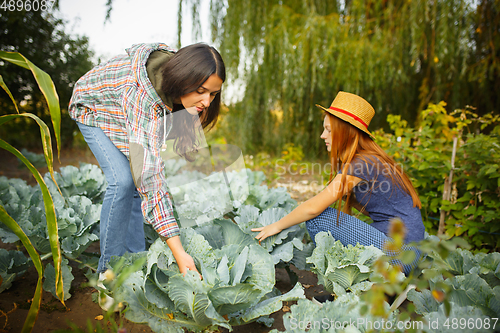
118	97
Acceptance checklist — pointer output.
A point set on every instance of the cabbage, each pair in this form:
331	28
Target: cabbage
343	268
237	286
342	315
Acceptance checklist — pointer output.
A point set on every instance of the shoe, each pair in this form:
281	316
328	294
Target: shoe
320	300
105	301
402	297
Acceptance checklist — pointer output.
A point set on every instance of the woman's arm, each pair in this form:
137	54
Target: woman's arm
311	208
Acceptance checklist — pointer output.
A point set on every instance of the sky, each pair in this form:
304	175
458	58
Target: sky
132	21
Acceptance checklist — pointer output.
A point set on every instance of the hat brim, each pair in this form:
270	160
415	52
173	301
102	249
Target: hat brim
347	119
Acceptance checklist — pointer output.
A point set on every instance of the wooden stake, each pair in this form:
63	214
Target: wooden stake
447	186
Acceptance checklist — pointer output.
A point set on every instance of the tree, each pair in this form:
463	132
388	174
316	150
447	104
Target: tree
40	37
485	65
399	55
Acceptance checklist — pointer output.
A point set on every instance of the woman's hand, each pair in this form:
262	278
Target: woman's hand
185	262
267	231
183	259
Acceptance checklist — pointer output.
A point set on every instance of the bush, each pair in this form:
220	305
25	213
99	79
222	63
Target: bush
425	155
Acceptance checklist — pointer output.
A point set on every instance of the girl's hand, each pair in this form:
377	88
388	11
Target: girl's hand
183	259
185	262
267	231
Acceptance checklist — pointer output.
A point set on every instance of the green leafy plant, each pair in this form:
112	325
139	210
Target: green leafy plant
38	160
12	264
341	315
200	194
124	266
474	282
253	205
77	216
86	180
425	154
448	284
450	289
263	197
473	212
237	285
287	247
197	195
47	87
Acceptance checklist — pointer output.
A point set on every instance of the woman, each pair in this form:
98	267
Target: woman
381	189
121	108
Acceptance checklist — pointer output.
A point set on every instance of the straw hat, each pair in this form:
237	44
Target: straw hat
353	109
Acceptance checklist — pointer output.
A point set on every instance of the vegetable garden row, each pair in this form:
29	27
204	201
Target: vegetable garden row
455	287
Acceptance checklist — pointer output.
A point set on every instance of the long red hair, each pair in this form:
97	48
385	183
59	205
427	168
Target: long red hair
349	142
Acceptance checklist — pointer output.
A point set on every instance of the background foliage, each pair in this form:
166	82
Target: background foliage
425	153
40	37
399	55
290	55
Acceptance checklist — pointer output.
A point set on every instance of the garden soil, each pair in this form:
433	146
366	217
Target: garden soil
80	309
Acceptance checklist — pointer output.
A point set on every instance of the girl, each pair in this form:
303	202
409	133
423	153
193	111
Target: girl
121	108
367	179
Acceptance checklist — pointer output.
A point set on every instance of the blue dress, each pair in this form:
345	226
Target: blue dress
383	201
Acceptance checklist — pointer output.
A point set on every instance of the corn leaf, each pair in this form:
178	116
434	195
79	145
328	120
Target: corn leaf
37	298
46	86
50	216
4	86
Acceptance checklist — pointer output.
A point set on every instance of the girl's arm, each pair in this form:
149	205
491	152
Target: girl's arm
311	208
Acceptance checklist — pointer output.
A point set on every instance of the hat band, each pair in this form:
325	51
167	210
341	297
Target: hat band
350	115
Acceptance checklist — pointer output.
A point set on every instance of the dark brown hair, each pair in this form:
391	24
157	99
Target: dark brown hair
184	73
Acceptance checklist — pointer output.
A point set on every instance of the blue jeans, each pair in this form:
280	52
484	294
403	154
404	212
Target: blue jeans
122	223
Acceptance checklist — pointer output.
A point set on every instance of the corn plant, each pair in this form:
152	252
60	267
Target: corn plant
48	89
